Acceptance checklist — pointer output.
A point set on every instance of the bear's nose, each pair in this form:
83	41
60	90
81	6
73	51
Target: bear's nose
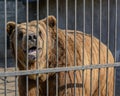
32	37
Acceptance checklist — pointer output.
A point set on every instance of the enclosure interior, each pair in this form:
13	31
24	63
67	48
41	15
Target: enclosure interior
99	18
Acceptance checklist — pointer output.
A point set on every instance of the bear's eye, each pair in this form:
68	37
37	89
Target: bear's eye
40	33
20	35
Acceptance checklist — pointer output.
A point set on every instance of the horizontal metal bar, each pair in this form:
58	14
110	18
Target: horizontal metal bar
59	69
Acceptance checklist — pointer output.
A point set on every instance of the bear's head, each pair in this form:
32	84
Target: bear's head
29	42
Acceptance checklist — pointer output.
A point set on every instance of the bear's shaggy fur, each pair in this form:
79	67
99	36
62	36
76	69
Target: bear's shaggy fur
44	38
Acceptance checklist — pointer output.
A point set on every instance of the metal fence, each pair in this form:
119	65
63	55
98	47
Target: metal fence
9	78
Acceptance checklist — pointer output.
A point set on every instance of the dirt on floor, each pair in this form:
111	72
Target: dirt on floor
8	85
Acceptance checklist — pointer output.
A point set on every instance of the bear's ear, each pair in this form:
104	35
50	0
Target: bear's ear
10	27
51	21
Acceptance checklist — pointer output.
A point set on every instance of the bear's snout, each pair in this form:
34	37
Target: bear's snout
32	37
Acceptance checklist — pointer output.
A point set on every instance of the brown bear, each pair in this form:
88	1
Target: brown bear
42	43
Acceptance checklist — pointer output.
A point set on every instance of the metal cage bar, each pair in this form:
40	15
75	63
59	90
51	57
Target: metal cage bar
115	41
66	44
27	20
5	69
84	23
92	32
116	26
57	6
108	46
37	33
59	69
99	47
75	46
47	34
16	56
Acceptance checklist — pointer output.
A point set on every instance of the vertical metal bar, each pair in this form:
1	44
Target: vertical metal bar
75	47
91	46
116	27
83	90
115	40
16	58
108	47
99	47
37	54
5	69
27	16
47	85
66	43
57	47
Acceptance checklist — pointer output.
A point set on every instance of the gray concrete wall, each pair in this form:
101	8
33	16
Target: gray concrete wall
88	18
10	17
71	16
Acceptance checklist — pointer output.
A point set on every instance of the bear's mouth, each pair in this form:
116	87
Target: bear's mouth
32	49
33	52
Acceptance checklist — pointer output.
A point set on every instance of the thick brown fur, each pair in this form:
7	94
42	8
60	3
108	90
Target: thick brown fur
83	56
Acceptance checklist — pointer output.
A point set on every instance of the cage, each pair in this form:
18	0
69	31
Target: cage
81	35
